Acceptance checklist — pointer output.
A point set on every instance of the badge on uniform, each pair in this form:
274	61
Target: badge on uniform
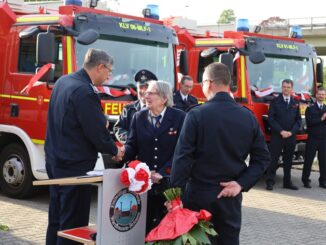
172	131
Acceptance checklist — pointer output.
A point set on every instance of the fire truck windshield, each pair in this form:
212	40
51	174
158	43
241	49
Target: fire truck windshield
271	72
131	55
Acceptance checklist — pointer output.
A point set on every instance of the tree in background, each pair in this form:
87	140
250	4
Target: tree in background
226	17
274	22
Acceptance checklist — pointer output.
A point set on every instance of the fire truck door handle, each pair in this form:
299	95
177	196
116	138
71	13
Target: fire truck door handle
14	110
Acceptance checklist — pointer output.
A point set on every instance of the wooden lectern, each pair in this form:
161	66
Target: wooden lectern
121	214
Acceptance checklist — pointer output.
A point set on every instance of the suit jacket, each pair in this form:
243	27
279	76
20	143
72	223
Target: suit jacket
122	126
76	129
284	117
214	143
179	103
315	126
154	146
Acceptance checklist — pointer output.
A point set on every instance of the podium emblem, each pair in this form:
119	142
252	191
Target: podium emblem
125	210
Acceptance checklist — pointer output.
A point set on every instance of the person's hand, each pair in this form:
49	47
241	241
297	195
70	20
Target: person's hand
323	117
120	154
169	207
284	134
230	189
156	177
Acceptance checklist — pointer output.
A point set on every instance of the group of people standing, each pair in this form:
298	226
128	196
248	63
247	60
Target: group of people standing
285	120
202	149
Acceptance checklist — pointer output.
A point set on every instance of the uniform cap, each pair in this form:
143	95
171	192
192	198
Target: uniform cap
144	76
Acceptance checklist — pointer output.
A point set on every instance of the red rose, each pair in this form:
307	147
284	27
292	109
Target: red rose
124	178
141	175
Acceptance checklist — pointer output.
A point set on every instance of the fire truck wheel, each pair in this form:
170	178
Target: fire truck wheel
16	179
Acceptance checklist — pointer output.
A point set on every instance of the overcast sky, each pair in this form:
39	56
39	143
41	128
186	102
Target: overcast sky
208	11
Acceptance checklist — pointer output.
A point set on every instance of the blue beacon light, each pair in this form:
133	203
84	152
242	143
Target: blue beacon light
73	2
152	11
242	25
295	32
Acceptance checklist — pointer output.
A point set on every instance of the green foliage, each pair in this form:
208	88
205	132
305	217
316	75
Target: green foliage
4	228
226	17
172	193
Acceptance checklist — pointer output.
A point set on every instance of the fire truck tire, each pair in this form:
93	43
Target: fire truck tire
16	178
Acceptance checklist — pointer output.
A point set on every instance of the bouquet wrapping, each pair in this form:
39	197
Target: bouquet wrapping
181	225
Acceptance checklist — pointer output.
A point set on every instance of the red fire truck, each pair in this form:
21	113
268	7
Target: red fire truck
37	48
258	63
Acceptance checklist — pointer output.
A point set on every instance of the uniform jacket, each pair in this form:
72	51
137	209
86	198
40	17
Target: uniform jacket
122	126
179	103
154	146
284	117
76	129
214	143
315	126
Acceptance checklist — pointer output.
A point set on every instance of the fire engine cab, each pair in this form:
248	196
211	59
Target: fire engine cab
37	47
258	63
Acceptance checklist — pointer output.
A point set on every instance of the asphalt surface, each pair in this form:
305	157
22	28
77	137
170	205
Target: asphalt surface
273	217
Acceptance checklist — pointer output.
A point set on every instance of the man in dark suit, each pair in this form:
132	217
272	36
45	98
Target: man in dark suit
76	132
152	139
122	126
316	127
285	120
182	98
209	160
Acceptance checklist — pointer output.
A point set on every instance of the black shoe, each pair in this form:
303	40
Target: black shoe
322	185
269	187
306	185
291	187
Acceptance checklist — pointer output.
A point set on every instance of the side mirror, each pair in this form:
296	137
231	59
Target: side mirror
256	57
45	48
48	76
227	59
183	62
88	37
209	52
320	71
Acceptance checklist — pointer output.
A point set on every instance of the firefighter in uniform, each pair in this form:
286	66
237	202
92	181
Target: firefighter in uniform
209	160
182	98
316	127
152	138
76	132
285	120
122	126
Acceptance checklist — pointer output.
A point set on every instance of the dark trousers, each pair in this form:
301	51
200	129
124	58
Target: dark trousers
312	147
69	208
226	212
276	146
69	205
155	205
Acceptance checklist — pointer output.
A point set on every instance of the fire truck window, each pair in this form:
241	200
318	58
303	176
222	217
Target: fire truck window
203	62
27	55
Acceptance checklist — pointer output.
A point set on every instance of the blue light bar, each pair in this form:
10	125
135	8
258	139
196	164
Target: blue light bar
74	2
295	32
242	25
153	11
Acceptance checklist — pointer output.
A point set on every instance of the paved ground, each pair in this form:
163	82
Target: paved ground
277	217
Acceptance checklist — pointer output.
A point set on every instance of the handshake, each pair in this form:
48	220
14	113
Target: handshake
120	154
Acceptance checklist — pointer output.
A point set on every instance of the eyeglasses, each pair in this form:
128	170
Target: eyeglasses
206	80
107	67
148	93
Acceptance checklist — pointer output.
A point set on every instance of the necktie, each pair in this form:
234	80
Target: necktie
287	102
185	99
157	122
321	106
